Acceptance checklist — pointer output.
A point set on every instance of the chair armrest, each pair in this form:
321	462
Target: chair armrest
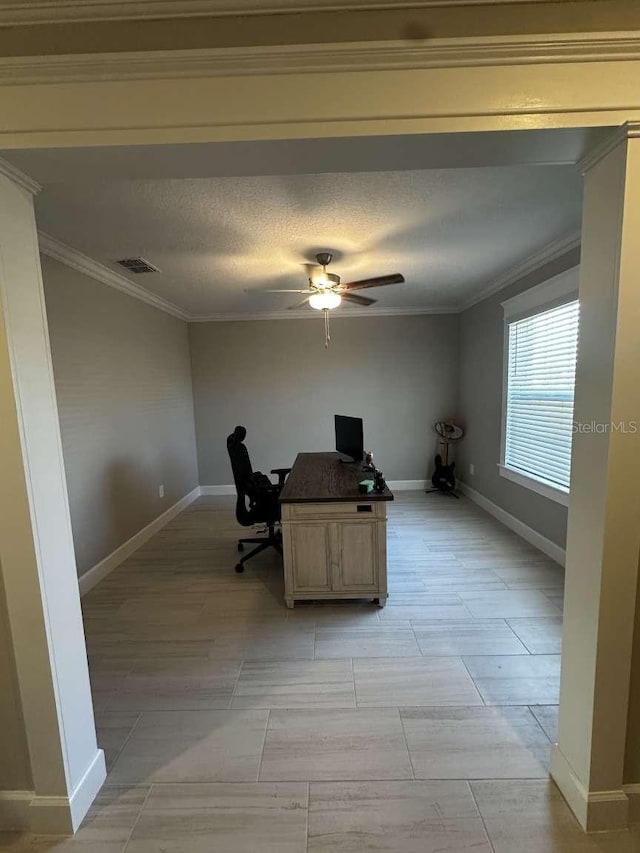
282	474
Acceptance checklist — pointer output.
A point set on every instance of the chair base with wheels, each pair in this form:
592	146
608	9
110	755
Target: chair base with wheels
272	540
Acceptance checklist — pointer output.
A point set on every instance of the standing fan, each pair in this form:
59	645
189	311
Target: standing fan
443	479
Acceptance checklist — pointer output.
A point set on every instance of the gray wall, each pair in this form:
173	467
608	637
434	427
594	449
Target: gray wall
275	377
15	769
481	356
123	382
124	373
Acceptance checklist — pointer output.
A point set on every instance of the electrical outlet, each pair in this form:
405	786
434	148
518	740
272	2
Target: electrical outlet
161	490
472	469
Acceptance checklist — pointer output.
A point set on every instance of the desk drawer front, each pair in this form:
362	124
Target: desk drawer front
364	510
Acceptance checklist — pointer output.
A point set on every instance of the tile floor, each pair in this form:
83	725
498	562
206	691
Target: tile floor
233	725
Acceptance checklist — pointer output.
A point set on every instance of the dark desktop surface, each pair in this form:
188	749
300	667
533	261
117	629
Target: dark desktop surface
322	477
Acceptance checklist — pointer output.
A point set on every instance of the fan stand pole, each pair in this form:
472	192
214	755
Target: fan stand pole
449	492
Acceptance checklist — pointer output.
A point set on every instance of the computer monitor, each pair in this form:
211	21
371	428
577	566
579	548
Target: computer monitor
349	438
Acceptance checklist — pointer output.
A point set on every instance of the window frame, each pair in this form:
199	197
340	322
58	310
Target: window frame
552	293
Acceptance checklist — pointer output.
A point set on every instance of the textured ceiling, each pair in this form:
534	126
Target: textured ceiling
451	213
448	231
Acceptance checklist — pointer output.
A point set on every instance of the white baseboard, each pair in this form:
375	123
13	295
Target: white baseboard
394	485
407	485
633	795
47	815
528	533
596	811
217	490
95	574
86	790
14	809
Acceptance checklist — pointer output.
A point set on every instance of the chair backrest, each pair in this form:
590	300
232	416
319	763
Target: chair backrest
242	471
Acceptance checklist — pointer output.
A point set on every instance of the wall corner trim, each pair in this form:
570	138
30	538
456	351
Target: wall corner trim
63	815
87	789
532	536
551	252
596	811
95	574
59	251
19	177
629	130
52	815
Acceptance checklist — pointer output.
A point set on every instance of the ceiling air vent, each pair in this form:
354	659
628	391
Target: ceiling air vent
137	265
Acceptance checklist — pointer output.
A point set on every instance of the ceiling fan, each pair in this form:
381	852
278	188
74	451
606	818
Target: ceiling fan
326	291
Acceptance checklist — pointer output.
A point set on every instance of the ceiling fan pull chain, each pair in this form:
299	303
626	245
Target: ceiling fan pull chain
327	336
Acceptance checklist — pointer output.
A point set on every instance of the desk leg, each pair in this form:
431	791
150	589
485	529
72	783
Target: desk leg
380	601
289	602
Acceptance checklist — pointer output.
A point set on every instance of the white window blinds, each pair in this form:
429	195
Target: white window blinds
541	373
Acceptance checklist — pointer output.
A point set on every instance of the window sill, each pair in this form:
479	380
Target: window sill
555	494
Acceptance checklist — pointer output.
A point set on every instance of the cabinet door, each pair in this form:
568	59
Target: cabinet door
310	553
355	565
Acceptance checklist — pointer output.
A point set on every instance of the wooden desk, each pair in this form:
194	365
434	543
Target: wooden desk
334	538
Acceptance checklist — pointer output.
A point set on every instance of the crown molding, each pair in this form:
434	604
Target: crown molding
600	151
629	130
337	313
548	253
317	58
60	251
18	177
68	11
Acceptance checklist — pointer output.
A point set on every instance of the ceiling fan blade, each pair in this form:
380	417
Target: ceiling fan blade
380	281
298	304
357	300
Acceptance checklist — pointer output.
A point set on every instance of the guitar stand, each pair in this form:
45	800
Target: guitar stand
449	492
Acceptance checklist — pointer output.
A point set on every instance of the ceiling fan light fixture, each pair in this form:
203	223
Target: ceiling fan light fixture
325	300
322	278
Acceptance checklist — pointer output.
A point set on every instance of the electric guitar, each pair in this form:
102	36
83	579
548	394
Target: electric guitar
443	478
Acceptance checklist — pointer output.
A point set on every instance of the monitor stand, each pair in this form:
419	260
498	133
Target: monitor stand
349	460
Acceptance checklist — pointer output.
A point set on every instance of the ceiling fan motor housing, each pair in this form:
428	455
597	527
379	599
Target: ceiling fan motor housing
324	280
324	258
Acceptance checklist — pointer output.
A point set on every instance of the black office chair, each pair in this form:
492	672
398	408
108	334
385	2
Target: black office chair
257	501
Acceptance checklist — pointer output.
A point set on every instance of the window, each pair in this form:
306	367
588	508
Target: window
541	338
